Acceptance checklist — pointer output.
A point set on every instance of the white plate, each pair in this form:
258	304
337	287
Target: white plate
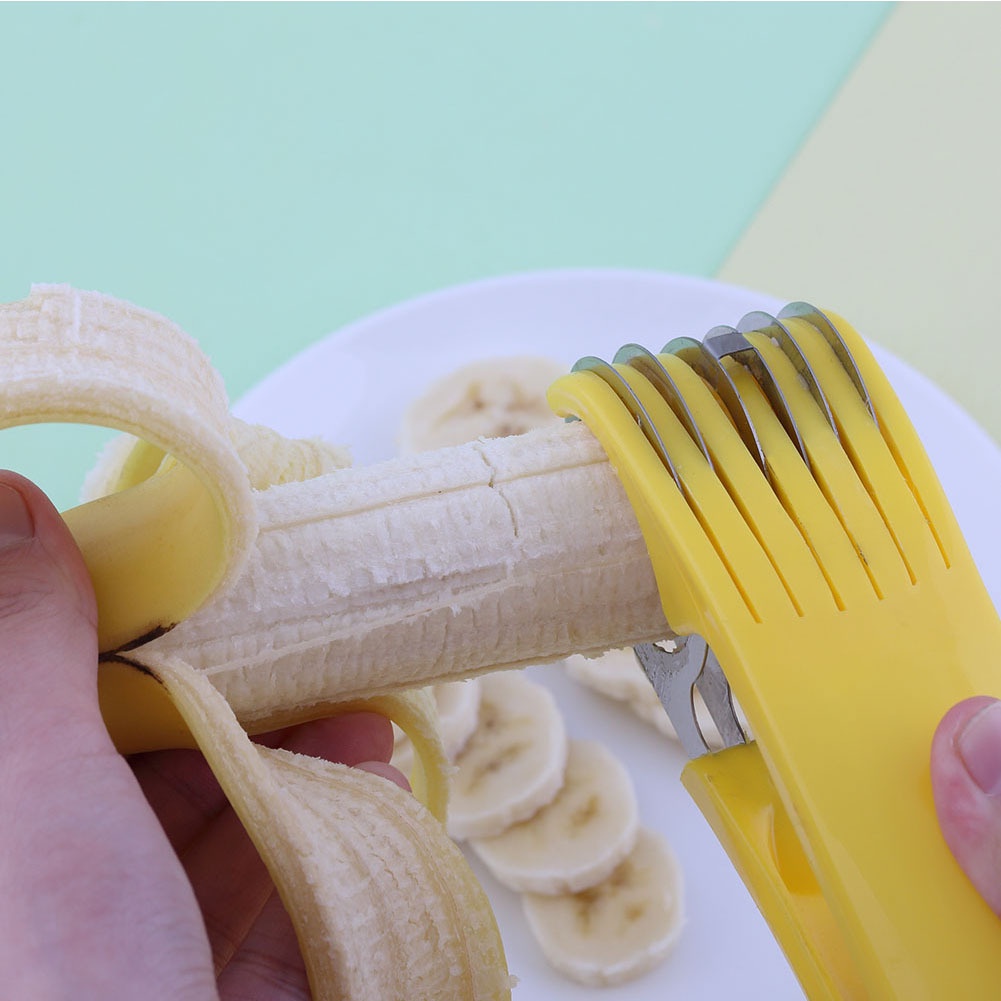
353	387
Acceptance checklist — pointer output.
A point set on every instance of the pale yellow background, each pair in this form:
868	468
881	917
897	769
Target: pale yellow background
890	214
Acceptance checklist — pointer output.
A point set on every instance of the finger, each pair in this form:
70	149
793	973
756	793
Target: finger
231	884
268	966
363	740
80	851
47	631
349	739
966	781
387	771
182	791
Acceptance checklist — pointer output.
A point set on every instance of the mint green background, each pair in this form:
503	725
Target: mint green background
263	173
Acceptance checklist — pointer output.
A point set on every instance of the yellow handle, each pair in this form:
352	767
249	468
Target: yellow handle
844	728
735	794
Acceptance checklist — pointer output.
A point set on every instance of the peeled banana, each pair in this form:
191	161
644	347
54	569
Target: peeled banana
240	592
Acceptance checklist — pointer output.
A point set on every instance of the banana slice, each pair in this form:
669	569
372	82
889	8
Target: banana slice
487	399
579	838
513	764
616	674
620	928
458	705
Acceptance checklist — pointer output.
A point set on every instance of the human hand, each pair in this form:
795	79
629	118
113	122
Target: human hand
122	879
966	781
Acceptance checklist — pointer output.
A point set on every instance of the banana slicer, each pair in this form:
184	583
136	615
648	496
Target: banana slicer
810	563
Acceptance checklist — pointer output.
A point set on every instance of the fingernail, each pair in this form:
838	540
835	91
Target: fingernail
979	745
16	523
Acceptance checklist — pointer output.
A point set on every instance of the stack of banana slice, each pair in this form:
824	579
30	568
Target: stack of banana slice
603	896
552	818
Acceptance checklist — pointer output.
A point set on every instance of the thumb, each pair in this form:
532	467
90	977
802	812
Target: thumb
48	643
966	781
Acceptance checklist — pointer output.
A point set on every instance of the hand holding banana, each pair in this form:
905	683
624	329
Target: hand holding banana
118	882
226	597
244	579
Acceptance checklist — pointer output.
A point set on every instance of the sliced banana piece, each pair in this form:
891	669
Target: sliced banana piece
579	838
487	399
513	764
620	928
616	674
458	705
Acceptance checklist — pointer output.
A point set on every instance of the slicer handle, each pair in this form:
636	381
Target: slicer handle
736	795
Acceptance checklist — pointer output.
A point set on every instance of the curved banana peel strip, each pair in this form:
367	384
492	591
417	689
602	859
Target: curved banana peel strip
383	903
80	357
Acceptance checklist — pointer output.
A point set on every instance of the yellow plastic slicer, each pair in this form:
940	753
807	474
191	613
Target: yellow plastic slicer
796	527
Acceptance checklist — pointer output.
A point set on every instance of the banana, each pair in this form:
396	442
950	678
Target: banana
218	585
486	399
579	838
514	762
620	928
500	554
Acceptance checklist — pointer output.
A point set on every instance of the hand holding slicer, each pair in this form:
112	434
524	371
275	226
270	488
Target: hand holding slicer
807	557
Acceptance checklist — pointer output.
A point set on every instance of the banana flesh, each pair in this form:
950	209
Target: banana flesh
578	838
514	762
413	572
486	399
620	928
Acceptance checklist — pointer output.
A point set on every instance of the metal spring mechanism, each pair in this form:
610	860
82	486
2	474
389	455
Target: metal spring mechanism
679	667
